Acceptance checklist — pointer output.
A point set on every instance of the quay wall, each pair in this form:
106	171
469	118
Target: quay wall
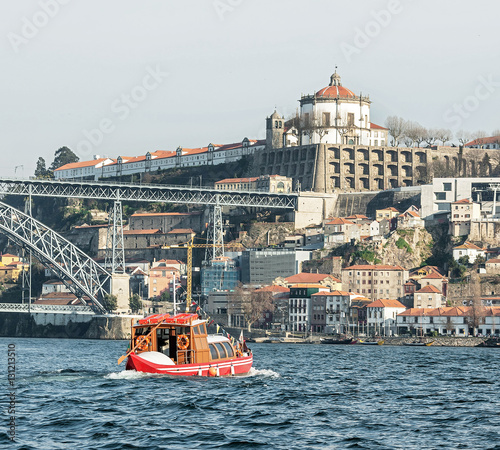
55	325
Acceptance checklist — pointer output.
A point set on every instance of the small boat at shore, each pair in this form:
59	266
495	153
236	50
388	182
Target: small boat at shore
337	341
180	345
371	342
419	344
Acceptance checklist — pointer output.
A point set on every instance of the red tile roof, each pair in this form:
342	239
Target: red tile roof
469	245
339	221
464	200
305	277
77	165
485	140
386	303
432	276
133	232
429	289
377	127
237	180
181	231
273	288
493	261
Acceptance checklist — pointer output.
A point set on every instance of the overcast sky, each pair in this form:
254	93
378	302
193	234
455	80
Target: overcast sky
123	77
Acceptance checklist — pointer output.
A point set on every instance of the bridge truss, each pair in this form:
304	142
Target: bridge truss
81	274
147	193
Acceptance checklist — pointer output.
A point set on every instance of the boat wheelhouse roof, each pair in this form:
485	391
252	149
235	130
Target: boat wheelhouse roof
186	319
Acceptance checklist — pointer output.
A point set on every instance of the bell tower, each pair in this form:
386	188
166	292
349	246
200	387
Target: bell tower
275	128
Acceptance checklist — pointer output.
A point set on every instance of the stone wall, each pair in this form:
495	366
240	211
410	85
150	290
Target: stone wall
42	325
326	167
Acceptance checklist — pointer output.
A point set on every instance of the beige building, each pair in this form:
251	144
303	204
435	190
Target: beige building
264	183
339	231
375	281
463	212
493	266
386	213
428	297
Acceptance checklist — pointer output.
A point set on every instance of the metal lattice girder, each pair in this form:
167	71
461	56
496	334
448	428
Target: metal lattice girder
215	235
146	193
81	274
115	249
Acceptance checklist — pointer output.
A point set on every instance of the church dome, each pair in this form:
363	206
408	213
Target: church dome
335	89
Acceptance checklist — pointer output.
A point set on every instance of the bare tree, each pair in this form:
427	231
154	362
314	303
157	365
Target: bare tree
476	309
415	132
430	136
396	127
463	137
256	305
443	135
312	125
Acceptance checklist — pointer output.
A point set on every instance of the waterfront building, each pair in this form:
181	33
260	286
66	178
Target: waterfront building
376	281
456	321
160	278
381	315
300	305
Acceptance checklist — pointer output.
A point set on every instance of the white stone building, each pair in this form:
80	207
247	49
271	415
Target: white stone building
381	316
470	250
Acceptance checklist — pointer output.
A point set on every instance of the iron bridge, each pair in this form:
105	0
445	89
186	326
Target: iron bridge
146	193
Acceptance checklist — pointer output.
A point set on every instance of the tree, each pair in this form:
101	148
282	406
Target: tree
255	305
430	136
479	138
135	303
110	302
41	170
396	127
485	169
476	309
443	135
62	157
165	296
463	137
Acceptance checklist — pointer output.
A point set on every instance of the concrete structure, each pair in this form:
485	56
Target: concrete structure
261	267
165	222
120	287
375	281
493	266
463	212
382	316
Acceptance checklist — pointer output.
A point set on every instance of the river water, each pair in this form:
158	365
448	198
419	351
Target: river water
70	394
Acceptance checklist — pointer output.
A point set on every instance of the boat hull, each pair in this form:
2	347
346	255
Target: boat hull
223	367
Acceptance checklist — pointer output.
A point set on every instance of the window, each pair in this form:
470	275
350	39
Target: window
440	195
213	352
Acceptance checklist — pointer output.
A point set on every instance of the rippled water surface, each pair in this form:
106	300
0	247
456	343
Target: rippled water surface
71	394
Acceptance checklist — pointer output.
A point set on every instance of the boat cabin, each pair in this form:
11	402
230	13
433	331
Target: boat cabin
183	338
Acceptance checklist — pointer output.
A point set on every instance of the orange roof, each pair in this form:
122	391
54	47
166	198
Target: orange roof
357	216
430	289
305	277
469	245
386	303
493	261
273	288
141	231
432	276
373	267
464	200
237	180
333	293
376	127
77	165
485	140
339	221
181	231
170	261
390	208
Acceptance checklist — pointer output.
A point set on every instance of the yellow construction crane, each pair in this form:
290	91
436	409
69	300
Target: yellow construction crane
189	247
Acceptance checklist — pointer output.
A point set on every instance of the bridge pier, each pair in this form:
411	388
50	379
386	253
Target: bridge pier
120	286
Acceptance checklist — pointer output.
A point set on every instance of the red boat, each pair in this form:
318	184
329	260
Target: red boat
180	345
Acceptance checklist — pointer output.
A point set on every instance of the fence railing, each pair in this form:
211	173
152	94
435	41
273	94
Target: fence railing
24	307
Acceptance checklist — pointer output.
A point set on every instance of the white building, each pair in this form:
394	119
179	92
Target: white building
470	250
159	160
336	115
456	321
381	316
463	212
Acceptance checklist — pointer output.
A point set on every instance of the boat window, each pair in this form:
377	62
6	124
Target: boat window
203	329
222	351
196	330
213	352
229	349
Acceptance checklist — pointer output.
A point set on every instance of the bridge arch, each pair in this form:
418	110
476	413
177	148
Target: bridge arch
80	273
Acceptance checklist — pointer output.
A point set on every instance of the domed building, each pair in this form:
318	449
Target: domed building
335	115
